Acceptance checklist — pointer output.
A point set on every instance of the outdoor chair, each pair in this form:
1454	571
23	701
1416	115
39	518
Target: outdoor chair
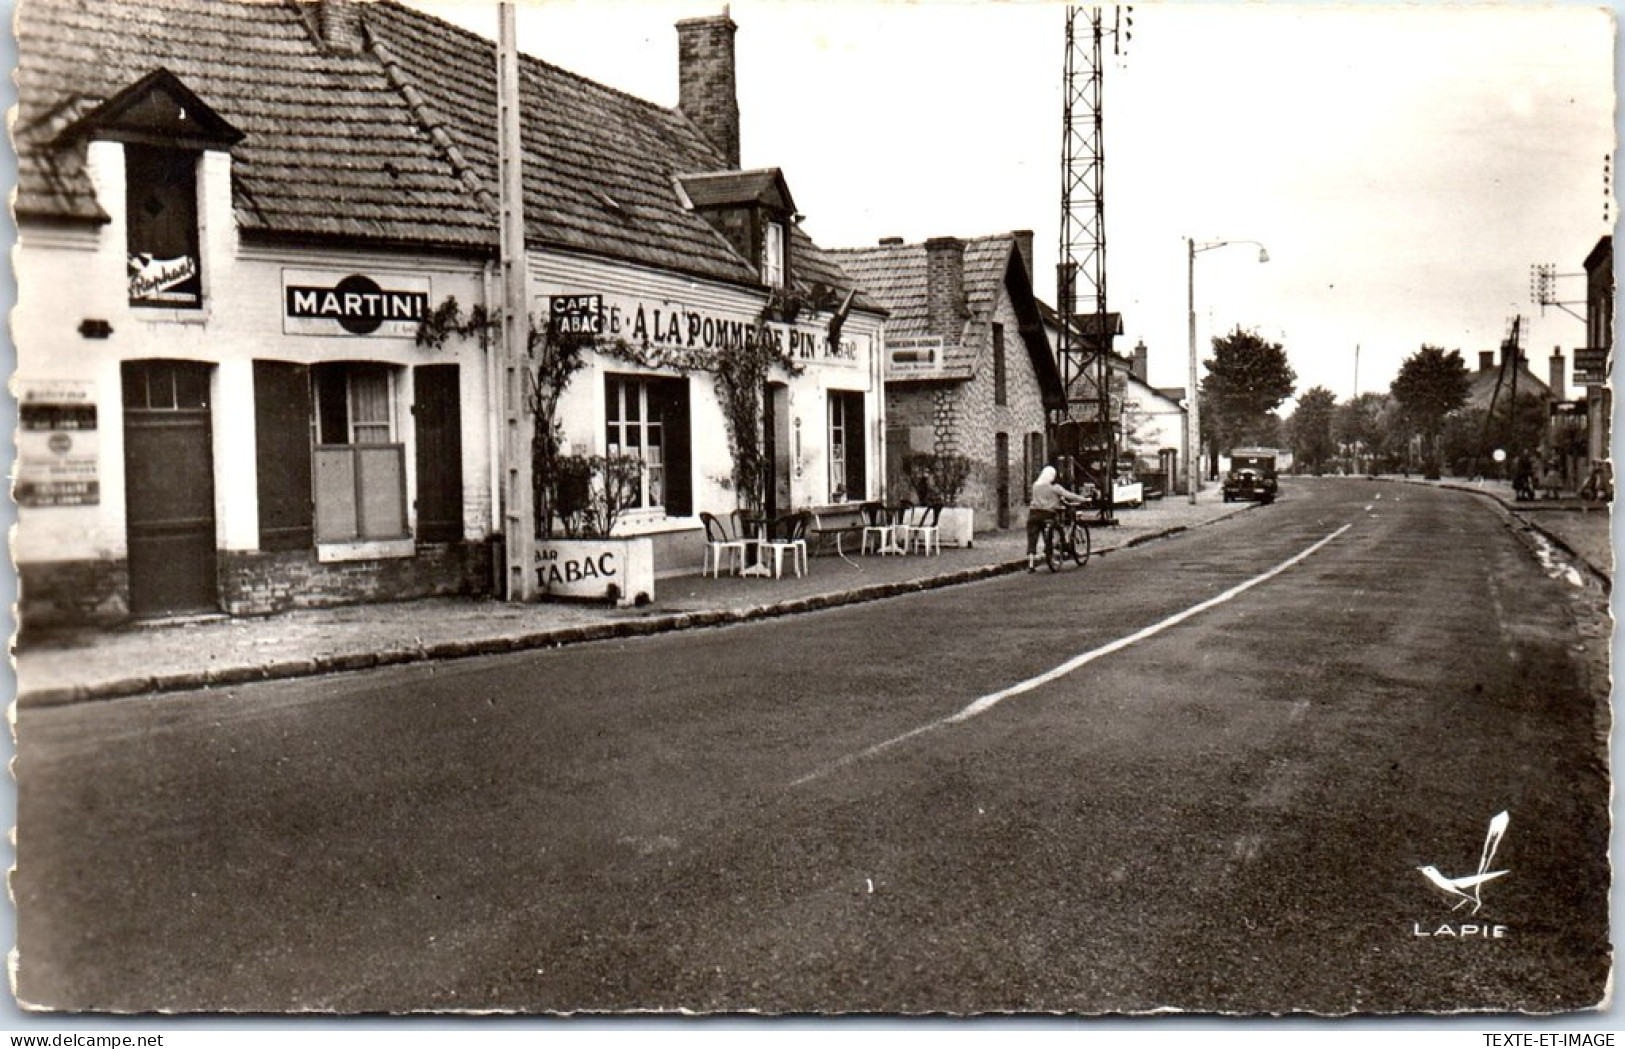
717	542
789	534
878	524
923	527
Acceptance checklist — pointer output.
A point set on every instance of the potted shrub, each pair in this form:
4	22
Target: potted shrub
582	558
938	480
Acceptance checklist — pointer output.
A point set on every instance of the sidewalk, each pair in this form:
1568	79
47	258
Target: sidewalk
220	651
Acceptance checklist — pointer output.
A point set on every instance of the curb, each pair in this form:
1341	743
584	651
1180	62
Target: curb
557	637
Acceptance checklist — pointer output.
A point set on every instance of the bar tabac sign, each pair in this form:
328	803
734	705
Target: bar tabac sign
328	302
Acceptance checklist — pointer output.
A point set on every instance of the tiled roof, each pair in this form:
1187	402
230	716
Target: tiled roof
738	187
895	276
599	162
328	147
396	143
1481	386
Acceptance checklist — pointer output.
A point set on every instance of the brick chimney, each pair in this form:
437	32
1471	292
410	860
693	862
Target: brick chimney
706	92
1024	244
1486	360
1555	374
339	23
945	286
1142	359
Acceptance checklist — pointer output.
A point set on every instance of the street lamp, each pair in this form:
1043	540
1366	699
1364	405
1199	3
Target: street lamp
1193	466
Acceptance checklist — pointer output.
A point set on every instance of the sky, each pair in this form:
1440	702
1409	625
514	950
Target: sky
1405	167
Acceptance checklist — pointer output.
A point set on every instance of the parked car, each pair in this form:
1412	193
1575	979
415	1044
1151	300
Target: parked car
1127	492
1251	476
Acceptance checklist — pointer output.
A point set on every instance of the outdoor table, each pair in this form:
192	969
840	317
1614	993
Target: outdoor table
894	514
756	523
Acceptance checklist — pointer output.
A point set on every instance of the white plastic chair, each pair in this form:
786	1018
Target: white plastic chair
792	538
924	528
877	522
718	542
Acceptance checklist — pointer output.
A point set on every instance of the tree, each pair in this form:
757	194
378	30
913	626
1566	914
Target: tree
1309	430
1469	438
1431	384
1247	379
1359	431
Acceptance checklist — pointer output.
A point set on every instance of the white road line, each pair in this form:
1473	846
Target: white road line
993	699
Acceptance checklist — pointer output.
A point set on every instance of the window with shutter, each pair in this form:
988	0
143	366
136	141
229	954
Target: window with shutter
360	469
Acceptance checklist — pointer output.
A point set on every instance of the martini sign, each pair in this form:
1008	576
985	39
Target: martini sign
317	302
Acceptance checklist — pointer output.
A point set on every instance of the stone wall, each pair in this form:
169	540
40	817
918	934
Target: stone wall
52	594
975	421
258	583
70	594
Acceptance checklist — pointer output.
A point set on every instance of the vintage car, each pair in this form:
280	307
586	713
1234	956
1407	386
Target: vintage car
1251	476
1127	492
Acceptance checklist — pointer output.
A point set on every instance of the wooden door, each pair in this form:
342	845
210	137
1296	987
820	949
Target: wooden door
438	416
169	488
1001	464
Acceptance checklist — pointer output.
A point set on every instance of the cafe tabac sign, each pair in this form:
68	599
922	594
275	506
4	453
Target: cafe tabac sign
681	336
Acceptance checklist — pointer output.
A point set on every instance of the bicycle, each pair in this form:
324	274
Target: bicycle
1065	536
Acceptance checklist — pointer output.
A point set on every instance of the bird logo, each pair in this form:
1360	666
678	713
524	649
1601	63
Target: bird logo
1468	888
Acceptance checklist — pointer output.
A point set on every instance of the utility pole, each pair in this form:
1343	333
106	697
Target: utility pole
518	514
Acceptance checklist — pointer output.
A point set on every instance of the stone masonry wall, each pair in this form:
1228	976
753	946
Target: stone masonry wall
972	421
52	594
257	583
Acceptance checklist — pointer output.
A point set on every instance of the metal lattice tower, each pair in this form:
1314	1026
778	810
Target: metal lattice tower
1083	193
1084	355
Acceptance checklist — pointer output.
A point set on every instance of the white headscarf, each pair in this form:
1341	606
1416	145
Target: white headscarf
1046	476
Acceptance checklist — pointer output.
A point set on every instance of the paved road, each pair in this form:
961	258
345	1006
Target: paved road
878	807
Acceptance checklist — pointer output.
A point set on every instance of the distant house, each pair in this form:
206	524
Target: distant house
233	219
968	368
1496	380
1149	421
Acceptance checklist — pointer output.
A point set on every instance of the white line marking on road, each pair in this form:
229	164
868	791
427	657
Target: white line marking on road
993	699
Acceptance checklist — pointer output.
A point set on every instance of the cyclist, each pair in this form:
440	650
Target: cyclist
1047	498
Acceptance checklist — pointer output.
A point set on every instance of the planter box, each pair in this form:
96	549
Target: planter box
594	569
958	526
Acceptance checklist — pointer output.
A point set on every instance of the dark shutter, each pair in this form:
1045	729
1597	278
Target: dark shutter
673	409
439	453
282	454
857	450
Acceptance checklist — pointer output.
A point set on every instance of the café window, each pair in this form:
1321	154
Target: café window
360	467
773	255
846	451
164	264
647	418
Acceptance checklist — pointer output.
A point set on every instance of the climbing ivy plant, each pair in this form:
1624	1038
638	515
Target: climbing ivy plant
555	358
739	376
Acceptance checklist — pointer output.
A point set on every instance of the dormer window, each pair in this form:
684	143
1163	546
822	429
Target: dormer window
773	254
165	129
752	210
162	239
